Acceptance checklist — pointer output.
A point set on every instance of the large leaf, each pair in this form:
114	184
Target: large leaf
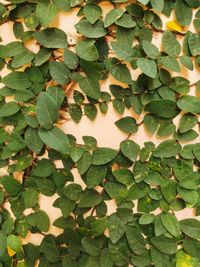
51	38
147	66
8	109
163	108
116	227
40	220
45	12
59	72
87	50
89	86
55	139
167	149
92	12
171	223
170	45
130	149
189	104
17	80
112	16
95	30
46	110
191	228
164	244
127	125
118	70
103	155
183	13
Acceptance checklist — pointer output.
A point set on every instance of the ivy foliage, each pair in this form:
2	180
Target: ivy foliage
63	79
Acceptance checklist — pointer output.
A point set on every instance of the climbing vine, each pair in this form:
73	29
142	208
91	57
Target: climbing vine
64	79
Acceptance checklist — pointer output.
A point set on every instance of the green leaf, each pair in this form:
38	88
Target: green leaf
12	186
68	262
127	125
171	224
170	63
189	104
70	59
116	227
164	244
55	139
150	49
183	13
123	50
144	2
87	50
103	155
147	66
95	175
187	122
88	85
90	199
163	108
45	186
65	205
112	16
151	123
95	30
40	220
42	56
190	227
191	246
14	243
9	109
46	110
123	176
45	12
158	5
170	45
90	246
30	197
130	149
22	59
17	80
92	12
194	44
126	21
49	248
51	38
135	240
167	149
59	72
187	62
3	243
57	94
118	70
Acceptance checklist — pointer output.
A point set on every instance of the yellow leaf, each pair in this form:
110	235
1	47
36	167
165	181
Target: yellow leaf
10	251
174	26
185	260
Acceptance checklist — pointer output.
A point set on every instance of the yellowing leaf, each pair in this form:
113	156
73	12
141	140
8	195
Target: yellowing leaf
185	260
174	26
10	251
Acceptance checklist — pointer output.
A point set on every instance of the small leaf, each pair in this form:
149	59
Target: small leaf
30	197
40	220
164	244
127	125
158	5
150	49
